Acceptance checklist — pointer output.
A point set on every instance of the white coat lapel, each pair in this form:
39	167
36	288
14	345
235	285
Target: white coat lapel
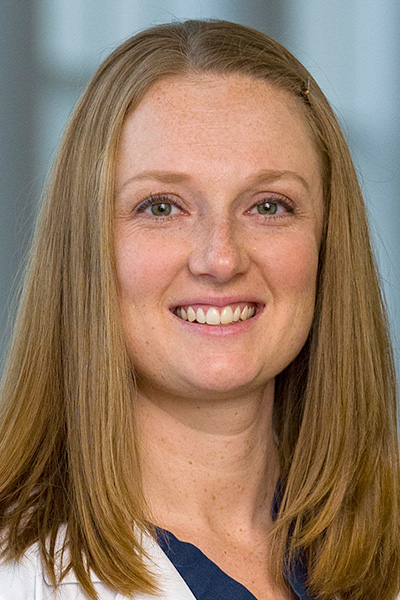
172	586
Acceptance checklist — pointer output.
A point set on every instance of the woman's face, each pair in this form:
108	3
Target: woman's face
218	208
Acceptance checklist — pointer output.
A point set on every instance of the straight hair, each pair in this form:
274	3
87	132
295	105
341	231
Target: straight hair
68	453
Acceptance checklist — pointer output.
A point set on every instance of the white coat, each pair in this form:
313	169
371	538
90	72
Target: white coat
26	581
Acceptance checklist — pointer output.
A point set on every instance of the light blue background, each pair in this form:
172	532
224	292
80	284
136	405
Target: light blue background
49	49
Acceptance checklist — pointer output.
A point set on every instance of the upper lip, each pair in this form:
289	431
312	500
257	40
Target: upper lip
220	301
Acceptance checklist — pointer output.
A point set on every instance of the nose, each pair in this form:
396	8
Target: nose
219	250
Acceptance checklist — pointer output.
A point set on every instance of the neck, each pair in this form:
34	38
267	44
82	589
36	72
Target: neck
215	461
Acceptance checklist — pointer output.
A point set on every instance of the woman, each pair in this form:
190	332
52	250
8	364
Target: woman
200	393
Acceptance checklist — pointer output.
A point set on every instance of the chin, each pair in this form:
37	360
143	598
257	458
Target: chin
225	381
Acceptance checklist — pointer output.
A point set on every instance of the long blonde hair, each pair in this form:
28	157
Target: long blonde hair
67	438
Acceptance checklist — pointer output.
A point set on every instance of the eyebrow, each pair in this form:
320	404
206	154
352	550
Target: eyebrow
263	176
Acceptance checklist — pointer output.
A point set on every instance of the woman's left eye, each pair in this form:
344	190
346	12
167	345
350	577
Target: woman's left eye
271	207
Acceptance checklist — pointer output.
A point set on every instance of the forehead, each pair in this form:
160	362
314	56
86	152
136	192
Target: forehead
224	122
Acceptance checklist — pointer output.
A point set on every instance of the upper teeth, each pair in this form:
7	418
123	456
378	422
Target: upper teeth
214	317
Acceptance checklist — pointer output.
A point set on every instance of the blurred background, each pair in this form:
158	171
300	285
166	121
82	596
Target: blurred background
50	48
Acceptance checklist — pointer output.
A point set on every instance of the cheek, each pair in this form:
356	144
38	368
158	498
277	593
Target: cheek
291	273
291	266
144	265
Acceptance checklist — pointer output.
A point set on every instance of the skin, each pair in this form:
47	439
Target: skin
205	394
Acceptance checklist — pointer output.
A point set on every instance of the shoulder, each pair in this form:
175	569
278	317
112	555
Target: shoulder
18	579
26	580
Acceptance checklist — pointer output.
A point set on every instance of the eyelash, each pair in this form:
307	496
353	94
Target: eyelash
163	199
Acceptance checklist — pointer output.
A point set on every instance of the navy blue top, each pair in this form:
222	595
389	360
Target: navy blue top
207	581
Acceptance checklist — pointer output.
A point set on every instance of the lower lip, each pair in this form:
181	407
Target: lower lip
219	330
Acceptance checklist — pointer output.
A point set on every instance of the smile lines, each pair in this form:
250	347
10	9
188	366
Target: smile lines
213	316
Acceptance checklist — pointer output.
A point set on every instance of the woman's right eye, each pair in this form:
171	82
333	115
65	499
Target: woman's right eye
163	209
159	206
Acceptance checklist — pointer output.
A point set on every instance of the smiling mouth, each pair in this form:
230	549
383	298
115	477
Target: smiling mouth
226	315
